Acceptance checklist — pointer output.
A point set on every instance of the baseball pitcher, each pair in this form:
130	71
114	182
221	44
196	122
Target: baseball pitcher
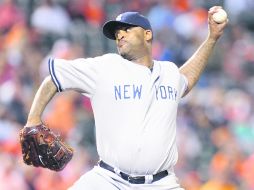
134	100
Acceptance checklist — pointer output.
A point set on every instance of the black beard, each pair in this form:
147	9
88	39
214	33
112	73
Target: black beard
126	56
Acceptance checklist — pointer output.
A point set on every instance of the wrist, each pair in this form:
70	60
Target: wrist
33	120
211	40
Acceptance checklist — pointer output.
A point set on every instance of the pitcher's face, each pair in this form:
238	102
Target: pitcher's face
130	41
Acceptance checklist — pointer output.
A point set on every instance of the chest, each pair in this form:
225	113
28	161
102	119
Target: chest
126	84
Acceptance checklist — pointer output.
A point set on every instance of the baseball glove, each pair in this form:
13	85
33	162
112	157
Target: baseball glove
42	148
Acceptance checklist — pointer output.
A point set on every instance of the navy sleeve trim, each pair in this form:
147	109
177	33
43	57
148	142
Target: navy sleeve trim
53	75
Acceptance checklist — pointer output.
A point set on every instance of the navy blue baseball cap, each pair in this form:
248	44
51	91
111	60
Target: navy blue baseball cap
125	19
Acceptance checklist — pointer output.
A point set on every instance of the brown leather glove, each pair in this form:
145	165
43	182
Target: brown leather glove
42	148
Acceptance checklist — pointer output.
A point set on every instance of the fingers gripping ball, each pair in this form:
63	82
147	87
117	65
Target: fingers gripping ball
42	148
220	16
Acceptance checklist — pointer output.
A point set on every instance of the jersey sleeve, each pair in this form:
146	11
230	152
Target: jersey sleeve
79	74
183	84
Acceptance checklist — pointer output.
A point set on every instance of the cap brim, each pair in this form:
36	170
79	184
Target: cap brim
110	27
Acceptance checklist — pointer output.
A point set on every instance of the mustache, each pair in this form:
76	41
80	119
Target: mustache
121	42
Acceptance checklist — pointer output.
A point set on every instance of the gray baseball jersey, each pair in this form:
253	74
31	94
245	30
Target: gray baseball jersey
134	108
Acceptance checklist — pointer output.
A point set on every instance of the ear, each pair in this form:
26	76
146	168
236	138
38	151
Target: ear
148	35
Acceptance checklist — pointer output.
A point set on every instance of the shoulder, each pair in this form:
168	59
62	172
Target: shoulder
111	56
99	61
167	65
102	58
105	58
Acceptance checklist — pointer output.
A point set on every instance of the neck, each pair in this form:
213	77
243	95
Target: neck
144	58
145	61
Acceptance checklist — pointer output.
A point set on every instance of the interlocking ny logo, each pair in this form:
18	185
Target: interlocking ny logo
119	17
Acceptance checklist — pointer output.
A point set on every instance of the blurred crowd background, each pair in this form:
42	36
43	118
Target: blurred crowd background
215	121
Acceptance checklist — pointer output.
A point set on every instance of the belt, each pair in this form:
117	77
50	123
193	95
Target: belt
135	179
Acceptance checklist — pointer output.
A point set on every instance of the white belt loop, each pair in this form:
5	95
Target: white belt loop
148	179
117	171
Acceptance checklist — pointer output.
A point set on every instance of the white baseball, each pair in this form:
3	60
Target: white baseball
220	16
